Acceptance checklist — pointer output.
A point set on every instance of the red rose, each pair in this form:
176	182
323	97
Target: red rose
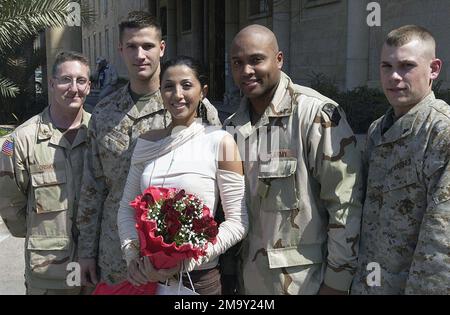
212	229
148	198
179	195
167	206
172	215
197	226
189	211
173	227
172	219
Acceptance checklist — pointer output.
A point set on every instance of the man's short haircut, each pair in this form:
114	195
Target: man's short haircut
65	56
407	33
139	20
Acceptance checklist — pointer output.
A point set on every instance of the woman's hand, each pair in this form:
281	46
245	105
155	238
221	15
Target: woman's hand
141	271
135	276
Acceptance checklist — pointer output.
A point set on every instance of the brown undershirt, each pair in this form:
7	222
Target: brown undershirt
254	117
140	100
388	122
70	135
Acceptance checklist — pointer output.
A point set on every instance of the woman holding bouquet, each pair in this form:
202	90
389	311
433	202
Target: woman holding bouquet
189	155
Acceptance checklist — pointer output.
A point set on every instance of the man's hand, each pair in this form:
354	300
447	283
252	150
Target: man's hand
326	290
88	272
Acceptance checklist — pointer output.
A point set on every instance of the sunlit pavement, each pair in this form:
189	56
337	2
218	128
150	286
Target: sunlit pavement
11	263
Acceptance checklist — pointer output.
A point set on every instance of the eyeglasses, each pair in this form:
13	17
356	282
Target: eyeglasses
68	81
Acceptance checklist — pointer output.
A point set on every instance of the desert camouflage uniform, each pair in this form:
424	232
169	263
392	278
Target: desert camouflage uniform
304	197
115	126
406	217
40	189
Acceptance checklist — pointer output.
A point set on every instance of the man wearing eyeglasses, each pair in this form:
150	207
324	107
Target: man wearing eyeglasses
40	177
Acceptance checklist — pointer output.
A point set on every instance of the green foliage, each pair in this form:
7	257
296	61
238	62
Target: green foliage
20	22
5	131
362	105
8	88
20	69
20	19
441	93
323	84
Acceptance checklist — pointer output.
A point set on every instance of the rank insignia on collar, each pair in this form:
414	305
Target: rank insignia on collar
7	148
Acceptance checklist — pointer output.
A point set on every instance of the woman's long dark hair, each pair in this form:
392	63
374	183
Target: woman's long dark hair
199	72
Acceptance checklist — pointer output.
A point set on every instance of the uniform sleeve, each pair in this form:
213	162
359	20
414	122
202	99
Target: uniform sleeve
126	216
93	195
367	151
336	163
126	220
368	148
13	182
430	269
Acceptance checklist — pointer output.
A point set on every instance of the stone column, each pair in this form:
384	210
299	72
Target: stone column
197	41
357	63
59	39
171	41
281	18
231	29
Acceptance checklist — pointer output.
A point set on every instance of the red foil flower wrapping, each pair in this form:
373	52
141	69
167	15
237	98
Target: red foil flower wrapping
172	226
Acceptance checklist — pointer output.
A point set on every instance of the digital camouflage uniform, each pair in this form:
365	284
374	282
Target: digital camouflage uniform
304	197
40	188
115	126
405	226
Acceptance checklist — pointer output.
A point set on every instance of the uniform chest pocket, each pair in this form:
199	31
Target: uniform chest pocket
400	179
116	142
50	191
276	184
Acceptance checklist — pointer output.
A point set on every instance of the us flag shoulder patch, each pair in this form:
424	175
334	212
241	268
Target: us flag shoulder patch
7	148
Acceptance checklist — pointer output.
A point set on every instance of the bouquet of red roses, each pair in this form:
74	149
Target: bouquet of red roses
172	226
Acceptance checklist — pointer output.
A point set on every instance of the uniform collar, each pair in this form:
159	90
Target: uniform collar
241	120
47	130
404	126
127	105
280	106
82	132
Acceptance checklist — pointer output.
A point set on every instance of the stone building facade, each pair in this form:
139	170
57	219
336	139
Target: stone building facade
317	36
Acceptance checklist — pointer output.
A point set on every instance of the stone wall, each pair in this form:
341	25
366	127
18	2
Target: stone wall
433	15
108	18
313	38
314	35
318	41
